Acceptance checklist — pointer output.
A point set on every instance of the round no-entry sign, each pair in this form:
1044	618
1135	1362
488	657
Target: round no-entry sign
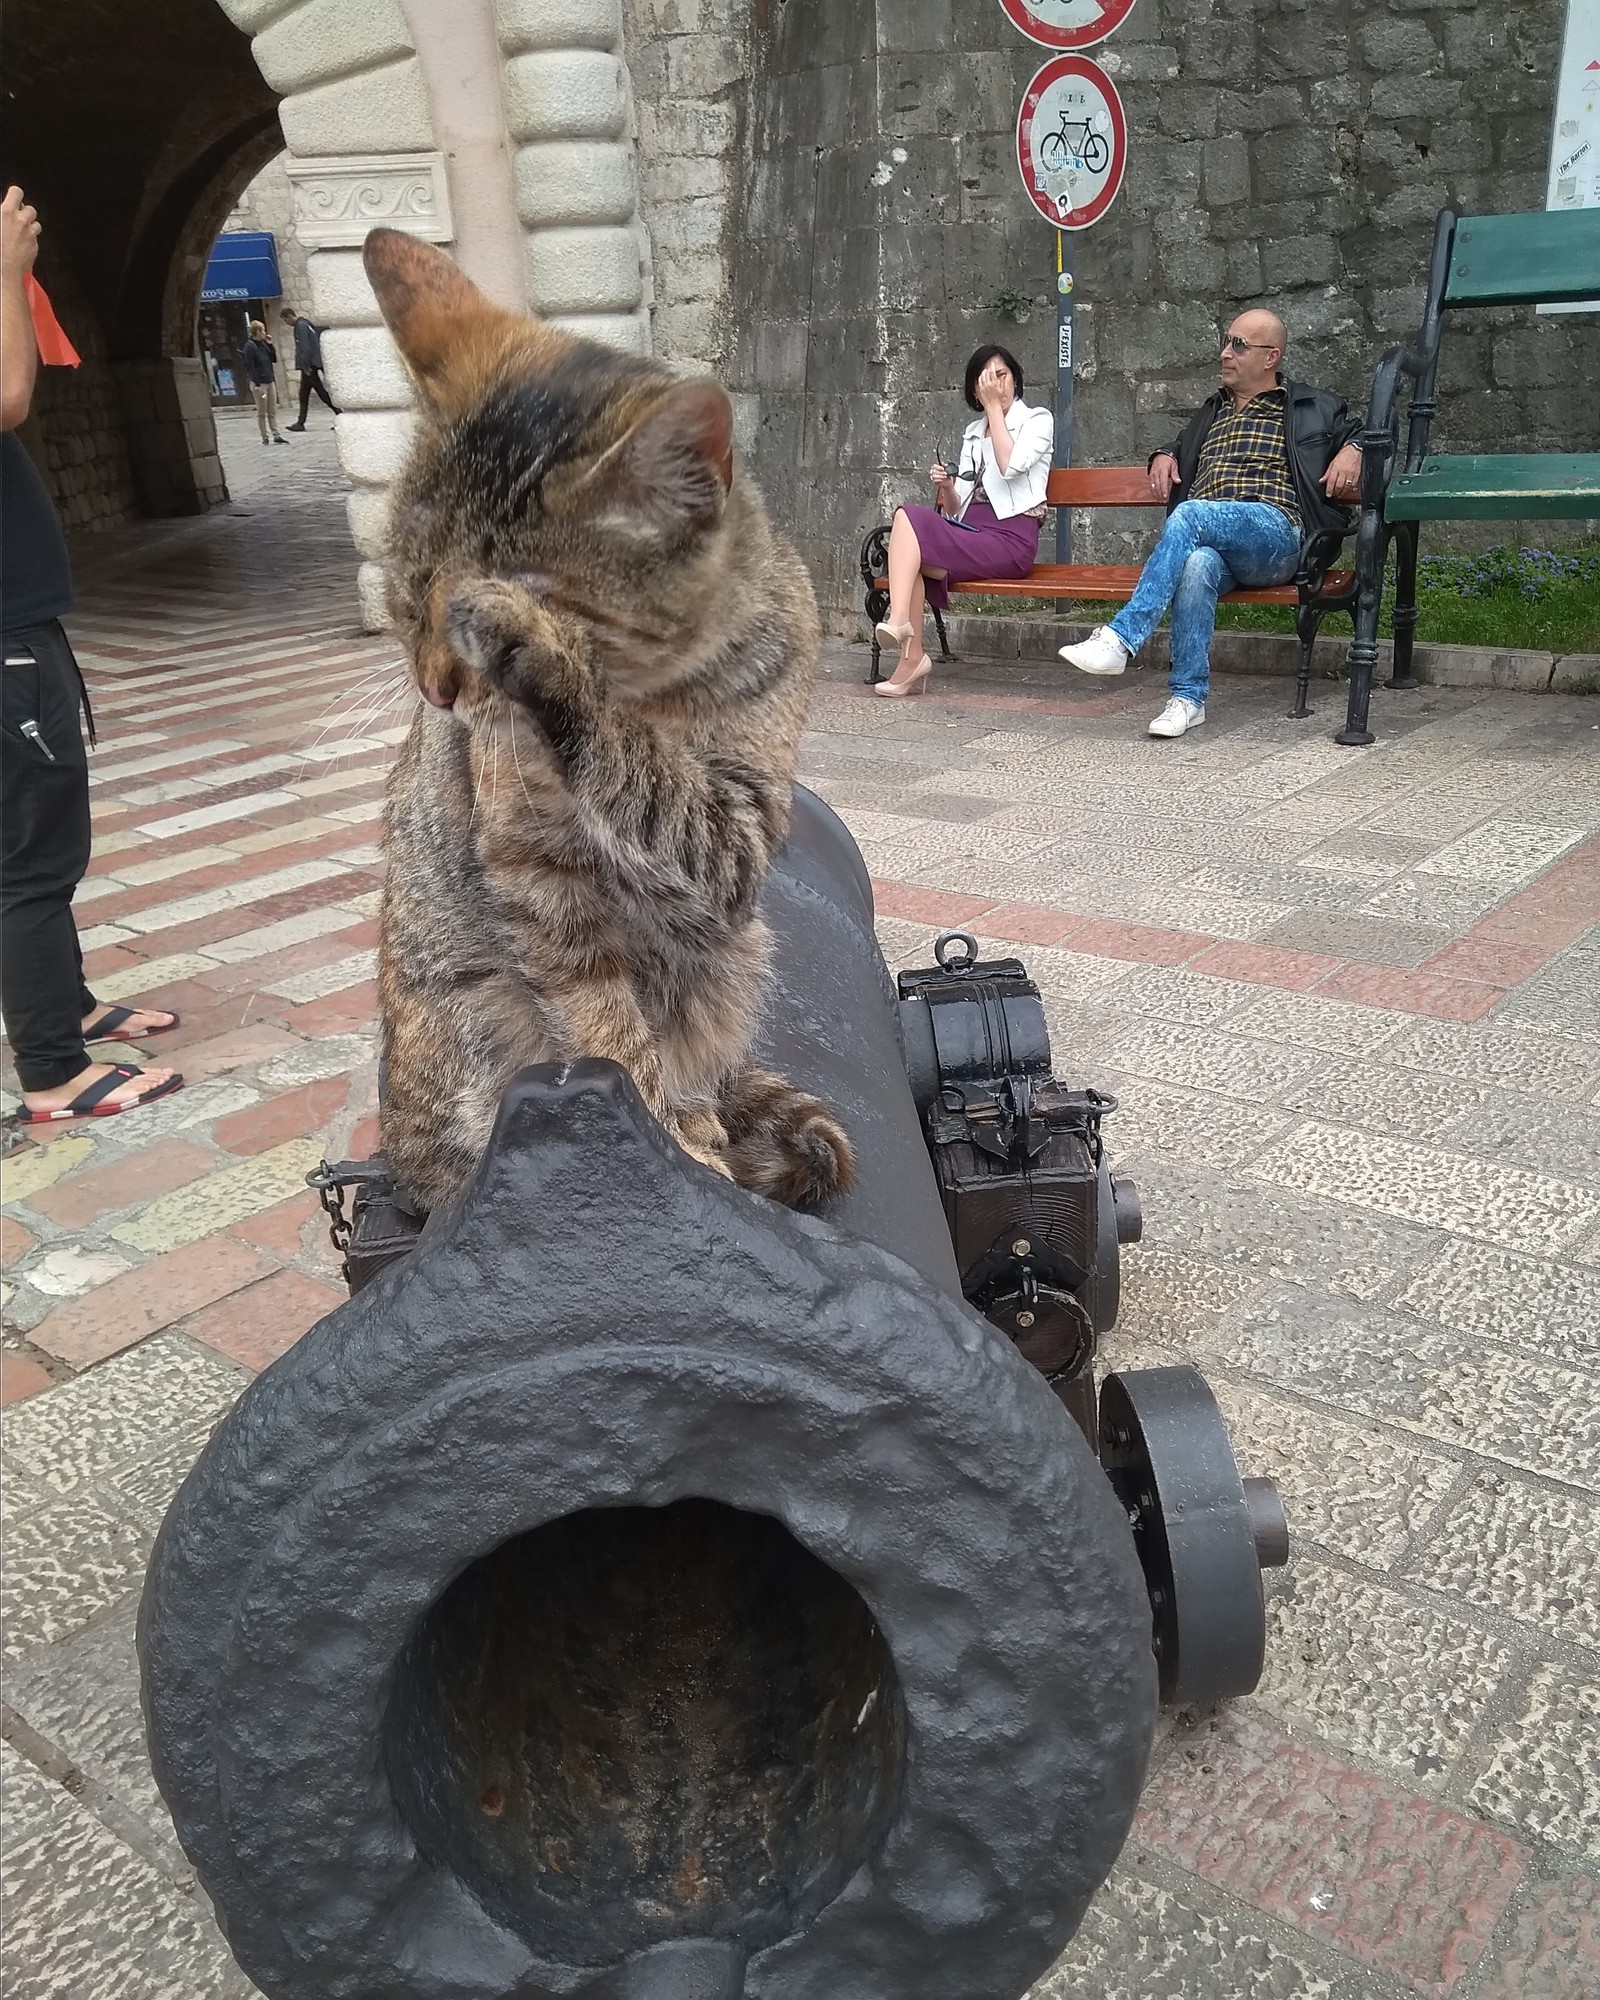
1072	142
1067	24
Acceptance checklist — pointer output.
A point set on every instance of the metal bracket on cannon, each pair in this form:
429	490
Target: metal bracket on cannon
1037	1220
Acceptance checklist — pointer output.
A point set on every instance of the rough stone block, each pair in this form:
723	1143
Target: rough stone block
1244	270
379	111
253	15
1302	260
570	94
690	274
558	24
670	179
628	332
1577	673
1415	97
703	65
373	444
1291	162
365	371
324	39
583	270
1482	666
574	181
693	130
1261	110
918	24
691	334
1219	51
687	225
373	596
1227	172
340	293
1188	111
1404	47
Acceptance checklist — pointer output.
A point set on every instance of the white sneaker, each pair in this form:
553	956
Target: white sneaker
1101	653
1178	715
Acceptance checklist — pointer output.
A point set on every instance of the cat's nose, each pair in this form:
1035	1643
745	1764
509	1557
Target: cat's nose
438	696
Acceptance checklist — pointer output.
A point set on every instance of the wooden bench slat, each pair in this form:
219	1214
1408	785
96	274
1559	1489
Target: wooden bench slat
1501	486
1113	583
1539	257
1101	486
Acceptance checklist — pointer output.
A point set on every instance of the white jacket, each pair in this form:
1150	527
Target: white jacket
1022	485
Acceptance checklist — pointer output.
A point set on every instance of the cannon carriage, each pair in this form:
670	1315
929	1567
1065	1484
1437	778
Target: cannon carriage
640	1591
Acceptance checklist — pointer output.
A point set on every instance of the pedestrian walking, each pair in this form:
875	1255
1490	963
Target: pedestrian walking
50	1014
260	359
308	359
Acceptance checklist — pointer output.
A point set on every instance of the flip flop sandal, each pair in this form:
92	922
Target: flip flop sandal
90	1101
112	1026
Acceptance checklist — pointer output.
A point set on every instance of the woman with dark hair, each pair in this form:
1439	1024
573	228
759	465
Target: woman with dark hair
984	520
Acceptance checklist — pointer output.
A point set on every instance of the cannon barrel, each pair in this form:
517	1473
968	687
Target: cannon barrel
643	1592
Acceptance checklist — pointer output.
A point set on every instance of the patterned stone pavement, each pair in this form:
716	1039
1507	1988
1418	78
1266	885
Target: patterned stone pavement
1348	1002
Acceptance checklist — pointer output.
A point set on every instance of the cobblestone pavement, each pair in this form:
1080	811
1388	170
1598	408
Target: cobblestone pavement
1349	1003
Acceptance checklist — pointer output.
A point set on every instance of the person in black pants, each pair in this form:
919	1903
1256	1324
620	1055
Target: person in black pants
308	359
50	1014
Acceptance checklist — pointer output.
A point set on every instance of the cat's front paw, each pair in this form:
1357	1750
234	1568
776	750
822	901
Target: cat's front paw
500	630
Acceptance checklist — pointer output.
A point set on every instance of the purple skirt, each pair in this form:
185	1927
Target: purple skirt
976	546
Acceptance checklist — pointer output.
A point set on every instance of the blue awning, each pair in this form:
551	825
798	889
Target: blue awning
243	265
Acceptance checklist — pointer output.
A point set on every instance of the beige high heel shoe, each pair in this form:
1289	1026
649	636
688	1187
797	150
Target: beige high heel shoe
914	682
893	635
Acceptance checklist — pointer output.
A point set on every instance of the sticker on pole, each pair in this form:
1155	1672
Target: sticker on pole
1072	142
1067	24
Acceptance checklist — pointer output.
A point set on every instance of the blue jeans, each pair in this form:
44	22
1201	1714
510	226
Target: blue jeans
1207	548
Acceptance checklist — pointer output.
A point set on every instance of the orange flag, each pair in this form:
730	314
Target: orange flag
55	350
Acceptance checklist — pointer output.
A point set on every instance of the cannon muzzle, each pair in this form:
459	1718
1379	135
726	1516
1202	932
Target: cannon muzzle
640	1591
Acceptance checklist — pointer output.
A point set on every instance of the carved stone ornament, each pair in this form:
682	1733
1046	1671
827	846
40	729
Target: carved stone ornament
336	201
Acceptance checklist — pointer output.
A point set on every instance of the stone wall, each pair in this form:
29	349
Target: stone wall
75	430
690	62
1280	152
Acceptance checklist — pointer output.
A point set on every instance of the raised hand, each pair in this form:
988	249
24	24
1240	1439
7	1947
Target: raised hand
19	234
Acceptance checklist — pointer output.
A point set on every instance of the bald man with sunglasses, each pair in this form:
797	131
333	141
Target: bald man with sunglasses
1263	466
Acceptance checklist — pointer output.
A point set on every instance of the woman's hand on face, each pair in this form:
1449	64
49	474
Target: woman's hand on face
991	386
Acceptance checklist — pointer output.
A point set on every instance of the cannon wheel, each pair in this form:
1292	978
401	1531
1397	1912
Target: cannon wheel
1166	1451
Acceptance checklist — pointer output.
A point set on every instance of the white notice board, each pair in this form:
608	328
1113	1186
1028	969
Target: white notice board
1575	132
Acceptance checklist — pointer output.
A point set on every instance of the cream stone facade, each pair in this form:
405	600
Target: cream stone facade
503	129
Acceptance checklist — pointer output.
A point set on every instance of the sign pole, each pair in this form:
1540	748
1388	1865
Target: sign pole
1065	300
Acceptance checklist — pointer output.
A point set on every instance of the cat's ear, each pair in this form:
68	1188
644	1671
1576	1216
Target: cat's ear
676	464
432	310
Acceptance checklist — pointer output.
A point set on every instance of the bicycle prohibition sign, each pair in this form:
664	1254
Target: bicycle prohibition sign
1075	145
1072	142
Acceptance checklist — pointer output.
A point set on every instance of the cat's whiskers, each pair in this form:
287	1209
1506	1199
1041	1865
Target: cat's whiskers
517	764
367	696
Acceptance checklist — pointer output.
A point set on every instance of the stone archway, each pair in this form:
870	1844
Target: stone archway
501	128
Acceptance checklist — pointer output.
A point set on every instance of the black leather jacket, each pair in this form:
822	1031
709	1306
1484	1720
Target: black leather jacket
1318	426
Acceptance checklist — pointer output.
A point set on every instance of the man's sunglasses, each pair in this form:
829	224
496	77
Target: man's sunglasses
1243	346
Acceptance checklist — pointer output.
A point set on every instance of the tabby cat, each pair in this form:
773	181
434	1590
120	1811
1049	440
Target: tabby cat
615	648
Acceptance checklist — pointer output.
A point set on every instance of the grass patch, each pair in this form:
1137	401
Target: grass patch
1536	600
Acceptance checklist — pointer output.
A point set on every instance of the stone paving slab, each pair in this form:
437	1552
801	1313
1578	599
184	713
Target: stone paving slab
1348	1004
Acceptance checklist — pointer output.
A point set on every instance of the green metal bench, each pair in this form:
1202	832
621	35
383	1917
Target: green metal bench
1478	260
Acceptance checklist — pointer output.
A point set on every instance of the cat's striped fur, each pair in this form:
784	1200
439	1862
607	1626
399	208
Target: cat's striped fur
616	649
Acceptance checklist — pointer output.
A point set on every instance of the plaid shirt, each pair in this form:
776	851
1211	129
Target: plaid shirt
1244	457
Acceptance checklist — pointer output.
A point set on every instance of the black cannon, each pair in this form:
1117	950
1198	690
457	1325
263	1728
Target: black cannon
639	1591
